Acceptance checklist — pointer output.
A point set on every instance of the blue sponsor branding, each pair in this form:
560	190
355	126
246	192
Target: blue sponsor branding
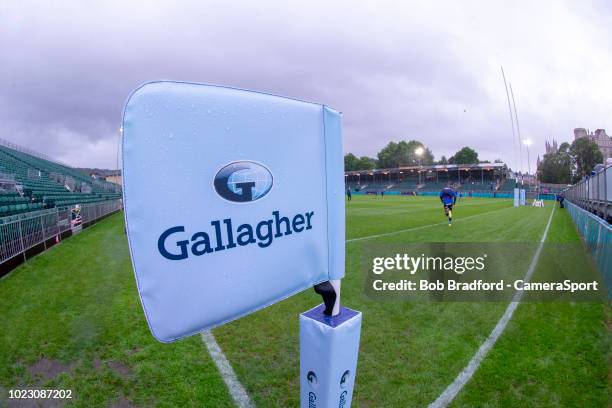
176	243
312	400
243	181
342	403
311	377
344	379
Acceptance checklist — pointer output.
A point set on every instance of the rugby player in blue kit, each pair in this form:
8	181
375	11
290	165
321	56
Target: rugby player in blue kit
448	196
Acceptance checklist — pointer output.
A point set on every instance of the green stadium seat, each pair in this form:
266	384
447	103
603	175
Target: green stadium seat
44	191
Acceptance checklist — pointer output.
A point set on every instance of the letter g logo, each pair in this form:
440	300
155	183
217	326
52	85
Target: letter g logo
243	181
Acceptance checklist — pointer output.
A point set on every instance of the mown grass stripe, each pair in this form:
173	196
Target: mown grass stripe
385	234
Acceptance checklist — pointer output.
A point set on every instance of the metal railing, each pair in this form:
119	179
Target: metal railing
472	193
594	194
19	234
597	235
31	152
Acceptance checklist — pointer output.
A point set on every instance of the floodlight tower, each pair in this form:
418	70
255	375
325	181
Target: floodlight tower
527	143
419	153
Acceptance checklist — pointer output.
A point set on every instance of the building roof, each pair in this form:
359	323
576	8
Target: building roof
435	167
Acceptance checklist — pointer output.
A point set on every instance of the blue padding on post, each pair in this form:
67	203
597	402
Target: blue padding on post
329	347
332	321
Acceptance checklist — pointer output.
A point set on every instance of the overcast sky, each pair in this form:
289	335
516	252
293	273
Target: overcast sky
428	71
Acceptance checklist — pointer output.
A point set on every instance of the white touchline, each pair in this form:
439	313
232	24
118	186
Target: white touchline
464	376
237	391
421	227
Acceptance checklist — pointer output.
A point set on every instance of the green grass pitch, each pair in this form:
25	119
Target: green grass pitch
71	319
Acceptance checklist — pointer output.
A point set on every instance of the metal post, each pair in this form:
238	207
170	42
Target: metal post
598	196
42	227
21	239
606	202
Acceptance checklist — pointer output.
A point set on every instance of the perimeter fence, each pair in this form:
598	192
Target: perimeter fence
597	235
20	233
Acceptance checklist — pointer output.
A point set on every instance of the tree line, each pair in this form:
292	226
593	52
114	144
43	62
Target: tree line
570	163
406	153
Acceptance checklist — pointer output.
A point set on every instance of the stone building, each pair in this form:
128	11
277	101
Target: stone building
552	147
603	141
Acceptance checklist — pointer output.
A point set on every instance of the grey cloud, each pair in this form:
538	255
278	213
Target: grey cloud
394	74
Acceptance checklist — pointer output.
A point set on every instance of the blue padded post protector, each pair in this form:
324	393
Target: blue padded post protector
329	347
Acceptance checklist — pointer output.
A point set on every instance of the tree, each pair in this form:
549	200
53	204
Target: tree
403	154
466	155
443	160
564	148
556	168
585	154
366	163
352	162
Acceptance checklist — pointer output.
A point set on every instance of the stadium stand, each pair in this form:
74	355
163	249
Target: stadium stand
436	185
376	187
406	185
479	177
486	186
43	202
31	183
355	186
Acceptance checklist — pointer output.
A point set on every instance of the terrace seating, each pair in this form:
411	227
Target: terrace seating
19	208
354	186
486	186
377	187
46	184
406	185
436	186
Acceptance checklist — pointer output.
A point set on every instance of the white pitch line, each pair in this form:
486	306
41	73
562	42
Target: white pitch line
385	234
464	376
237	391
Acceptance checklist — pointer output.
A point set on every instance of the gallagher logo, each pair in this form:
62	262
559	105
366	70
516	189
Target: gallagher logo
243	181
